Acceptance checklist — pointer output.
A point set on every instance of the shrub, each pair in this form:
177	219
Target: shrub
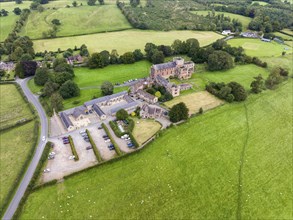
122	114
72	146
178	112
116	130
95	149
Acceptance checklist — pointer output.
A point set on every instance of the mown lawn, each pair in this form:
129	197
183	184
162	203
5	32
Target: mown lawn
76	21
145	129
232	162
258	48
124	41
15	144
244	20
12	108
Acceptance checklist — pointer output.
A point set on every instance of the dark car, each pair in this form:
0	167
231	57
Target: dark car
89	147
65	138
105	136
100	128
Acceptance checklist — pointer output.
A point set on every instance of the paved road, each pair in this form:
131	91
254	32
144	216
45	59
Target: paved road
39	150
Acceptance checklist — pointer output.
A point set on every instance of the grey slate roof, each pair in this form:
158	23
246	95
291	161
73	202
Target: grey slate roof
79	111
145	94
162	66
105	98
98	110
126	107
65	120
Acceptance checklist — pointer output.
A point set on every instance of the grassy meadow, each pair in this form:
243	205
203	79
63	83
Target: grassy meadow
15	144
258	48
244	20
123	41
12	108
7	23
76	21
144	129
232	162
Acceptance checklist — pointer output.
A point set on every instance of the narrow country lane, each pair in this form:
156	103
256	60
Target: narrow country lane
39	150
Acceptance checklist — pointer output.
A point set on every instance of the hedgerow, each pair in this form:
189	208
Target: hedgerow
72	146
95	149
117	149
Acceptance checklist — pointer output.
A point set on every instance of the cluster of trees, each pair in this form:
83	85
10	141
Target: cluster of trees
4	74
104	58
18	48
230	92
273	17
276	76
58	83
93	2
3	13
107	88
178	112
52	33
174	15
160	92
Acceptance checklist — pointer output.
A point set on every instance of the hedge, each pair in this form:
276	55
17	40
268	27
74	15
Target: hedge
16	124
47	108
130	125
95	149
33	181
133	139
72	146
116	130
19	176
117	149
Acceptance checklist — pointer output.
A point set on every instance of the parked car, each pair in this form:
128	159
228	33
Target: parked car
87	140
105	136
100	128
107	141
52	153
71	157
43	138
50	157
47	170
65	142
89	147
82	131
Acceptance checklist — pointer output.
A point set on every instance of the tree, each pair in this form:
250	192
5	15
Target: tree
67	54
122	114
26	57
134	3
18	1
40	8
107	88
69	89
4	13
167	50
192	46
84	51
179	47
34	5
238	91
158	94
219	44
62	77
17	53
178	112
56	101
56	21
127	58
273	79
114	57
95	61
91	2
220	60
138	55
17	11
257	85
105	56
74	4
41	76
2	73
59	61
157	57
101	2
49	88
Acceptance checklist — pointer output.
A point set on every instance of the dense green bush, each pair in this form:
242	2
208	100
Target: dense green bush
178	112
73	150
116	130
95	149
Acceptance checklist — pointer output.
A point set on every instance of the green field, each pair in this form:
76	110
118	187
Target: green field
234	162
15	145
7	23
288	31
260	3
12	108
258	48
282	61
124	41
284	36
76	21
244	20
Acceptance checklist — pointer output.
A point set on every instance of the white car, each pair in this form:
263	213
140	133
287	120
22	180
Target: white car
43	138
107	141
52	153
71	157
82	132
47	170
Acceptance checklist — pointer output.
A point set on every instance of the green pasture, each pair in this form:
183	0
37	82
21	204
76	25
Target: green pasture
7	23
285	62
12	108
234	162
288	31
15	144
258	48
76	21
124	41
244	20
283	36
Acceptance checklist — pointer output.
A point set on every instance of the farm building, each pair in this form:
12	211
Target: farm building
149	98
